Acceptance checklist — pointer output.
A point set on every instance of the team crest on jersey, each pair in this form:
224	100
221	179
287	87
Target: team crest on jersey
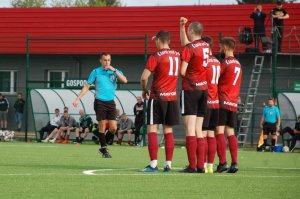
112	78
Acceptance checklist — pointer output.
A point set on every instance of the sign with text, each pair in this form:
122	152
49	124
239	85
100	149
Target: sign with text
75	83
297	86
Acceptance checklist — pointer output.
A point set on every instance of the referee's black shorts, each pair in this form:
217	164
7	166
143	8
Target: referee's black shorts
269	128
162	112
105	110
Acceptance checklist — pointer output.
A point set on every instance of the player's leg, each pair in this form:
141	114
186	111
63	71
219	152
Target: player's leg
201	112
221	141
169	147
200	145
170	118
153	119
211	150
204	133
232	141
233	148
189	107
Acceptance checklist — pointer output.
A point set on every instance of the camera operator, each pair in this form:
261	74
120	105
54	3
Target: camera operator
259	31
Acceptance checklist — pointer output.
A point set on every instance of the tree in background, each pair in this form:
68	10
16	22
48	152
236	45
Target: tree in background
28	3
84	3
261	1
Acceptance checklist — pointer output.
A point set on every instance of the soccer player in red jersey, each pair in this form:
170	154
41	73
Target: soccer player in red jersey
229	90
211	118
194	92
162	105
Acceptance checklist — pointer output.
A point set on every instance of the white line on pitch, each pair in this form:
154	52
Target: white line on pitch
279	168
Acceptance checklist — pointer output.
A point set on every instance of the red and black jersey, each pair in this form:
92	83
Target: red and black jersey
196	55
165	66
213	71
230	83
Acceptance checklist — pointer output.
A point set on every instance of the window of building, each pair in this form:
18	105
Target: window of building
57	77
8	81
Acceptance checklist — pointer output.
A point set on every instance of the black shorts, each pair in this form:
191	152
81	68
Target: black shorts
193	102
211	119
269	128
227	118
105	110
83	129
162	112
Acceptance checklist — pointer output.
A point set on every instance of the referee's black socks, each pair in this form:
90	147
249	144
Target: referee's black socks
101	137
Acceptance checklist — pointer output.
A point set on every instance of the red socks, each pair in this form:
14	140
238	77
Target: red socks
212	149
200	153
191	149
169	146
205	149
221	148
67	137
152	145
233	147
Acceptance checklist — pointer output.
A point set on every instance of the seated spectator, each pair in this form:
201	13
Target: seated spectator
85	126
67	124
126	126
295	133
51	125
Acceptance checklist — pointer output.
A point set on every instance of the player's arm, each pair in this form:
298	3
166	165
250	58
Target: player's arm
183	37
262	119
144	81
183	69
83	91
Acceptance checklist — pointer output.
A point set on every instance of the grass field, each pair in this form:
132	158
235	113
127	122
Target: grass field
39	170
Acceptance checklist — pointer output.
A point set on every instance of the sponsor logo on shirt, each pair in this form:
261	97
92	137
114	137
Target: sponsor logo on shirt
167	94
201	83
212	101
230	104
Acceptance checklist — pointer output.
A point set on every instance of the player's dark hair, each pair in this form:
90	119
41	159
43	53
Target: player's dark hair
104	54
163	36
229	42
56	109
208	40
197	27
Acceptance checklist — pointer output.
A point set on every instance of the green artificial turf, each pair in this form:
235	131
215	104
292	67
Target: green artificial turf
41	170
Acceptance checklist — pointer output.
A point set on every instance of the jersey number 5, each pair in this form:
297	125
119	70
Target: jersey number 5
171	71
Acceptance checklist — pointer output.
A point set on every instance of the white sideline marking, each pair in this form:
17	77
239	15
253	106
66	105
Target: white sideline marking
279	168
142	174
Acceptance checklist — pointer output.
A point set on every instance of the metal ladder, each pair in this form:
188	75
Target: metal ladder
250	100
